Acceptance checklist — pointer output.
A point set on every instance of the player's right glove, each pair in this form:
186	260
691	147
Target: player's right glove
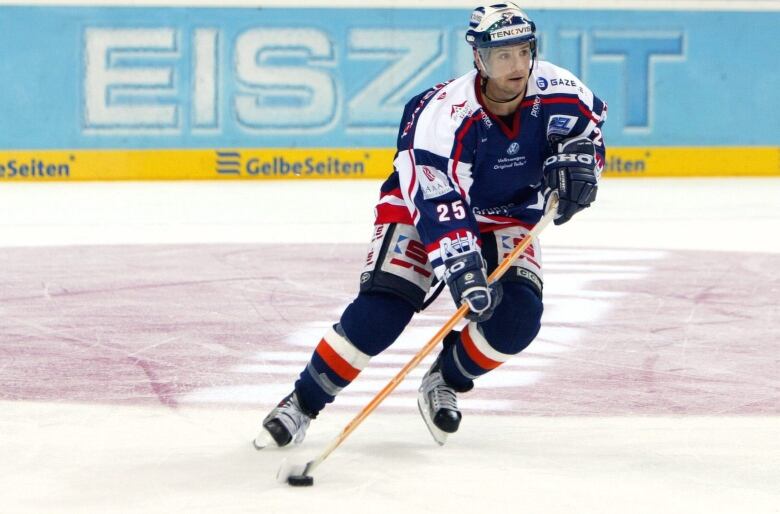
467	279
572	172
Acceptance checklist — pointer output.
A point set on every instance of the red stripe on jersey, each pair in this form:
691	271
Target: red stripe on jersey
506	221
473	352
599	161
566	100
336	362
460	233
414	178
394	192
561	100
388	213
459	150
584	110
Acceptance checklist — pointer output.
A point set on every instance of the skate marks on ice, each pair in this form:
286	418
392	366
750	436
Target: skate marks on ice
574	304
624	331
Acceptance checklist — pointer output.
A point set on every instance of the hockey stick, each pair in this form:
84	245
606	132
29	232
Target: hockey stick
301	474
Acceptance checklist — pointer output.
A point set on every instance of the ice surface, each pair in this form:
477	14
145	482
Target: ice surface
146	328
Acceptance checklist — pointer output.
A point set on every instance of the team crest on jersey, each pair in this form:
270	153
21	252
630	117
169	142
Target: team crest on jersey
433	183
561	125
457	243
460	111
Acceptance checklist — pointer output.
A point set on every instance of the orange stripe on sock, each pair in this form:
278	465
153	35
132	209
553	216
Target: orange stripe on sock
473	352
336	362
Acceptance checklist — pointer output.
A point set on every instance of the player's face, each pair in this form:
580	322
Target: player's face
507	67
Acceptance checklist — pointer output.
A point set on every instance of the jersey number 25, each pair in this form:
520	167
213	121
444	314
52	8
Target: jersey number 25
457	211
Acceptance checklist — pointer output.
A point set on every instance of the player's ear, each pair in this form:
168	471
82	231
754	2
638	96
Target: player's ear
478	63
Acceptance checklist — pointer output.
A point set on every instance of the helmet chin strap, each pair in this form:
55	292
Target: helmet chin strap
495	100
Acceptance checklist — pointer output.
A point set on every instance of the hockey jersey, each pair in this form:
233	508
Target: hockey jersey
459	170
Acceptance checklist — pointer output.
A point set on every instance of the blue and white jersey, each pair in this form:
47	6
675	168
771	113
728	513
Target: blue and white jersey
459	170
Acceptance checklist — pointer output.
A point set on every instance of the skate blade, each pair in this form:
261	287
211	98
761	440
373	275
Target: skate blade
263	439
439	435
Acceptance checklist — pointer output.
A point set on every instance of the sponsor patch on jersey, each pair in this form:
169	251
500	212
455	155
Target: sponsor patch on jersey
563	82
561	124
486	120
457	244
537	107
542	83
460	111
433	182
513	148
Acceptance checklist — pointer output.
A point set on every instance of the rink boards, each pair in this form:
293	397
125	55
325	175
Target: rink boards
110	92
342	163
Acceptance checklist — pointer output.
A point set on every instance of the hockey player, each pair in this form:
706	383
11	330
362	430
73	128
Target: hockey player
475	159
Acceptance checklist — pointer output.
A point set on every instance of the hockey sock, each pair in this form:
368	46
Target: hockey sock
367	327
485	346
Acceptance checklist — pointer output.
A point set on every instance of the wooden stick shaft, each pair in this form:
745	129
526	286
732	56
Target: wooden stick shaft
425	350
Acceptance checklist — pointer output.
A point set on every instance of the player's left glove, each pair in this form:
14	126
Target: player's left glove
572	172
467	279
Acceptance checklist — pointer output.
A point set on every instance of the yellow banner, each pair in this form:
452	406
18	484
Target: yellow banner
343	163
716	161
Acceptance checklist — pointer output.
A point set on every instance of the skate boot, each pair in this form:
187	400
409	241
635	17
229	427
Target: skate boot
438	404
285	424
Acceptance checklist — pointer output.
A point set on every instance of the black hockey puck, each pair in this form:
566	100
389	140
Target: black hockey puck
300	480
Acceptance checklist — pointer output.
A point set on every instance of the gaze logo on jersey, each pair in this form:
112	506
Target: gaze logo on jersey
561	124
541	82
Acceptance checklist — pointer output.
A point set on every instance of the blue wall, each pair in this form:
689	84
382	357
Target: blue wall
115	77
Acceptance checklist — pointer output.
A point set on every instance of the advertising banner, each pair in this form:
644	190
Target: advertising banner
269	93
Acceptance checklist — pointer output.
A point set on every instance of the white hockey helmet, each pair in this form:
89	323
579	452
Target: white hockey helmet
499	25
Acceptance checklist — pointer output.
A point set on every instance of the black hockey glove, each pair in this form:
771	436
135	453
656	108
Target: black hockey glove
572	172
467	279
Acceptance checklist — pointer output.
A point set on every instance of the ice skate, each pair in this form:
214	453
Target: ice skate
285	424
438	404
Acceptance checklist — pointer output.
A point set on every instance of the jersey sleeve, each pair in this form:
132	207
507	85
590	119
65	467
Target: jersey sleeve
434	158
573	111
593	115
